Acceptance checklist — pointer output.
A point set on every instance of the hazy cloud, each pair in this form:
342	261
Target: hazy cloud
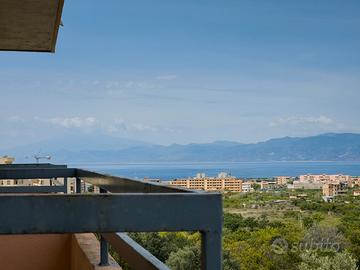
294	120
74	122
119	125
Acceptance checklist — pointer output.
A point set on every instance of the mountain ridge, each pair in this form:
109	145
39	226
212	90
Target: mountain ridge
323	147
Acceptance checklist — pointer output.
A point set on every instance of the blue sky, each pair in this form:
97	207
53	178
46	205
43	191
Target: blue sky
188	71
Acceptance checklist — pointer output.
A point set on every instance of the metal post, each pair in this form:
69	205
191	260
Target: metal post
104	252
65	185
104	246
78	185
211	256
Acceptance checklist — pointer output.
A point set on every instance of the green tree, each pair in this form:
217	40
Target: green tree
161	245
184	259
229	263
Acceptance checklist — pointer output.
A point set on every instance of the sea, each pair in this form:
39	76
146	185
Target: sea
169	171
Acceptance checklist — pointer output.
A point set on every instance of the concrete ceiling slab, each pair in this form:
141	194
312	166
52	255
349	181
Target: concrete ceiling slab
29	25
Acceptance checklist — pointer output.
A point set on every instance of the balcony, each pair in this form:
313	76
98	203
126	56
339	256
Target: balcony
53	226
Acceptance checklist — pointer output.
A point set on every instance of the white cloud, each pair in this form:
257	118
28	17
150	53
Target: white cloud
167	77
142	127
118	125
295	120
74	122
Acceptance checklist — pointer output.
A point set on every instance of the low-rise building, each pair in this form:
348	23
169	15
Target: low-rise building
248	186
267	185
356	193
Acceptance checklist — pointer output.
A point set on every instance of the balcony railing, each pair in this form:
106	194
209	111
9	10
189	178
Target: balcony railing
123	205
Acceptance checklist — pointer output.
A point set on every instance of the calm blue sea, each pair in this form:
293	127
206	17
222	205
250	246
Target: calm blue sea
168	171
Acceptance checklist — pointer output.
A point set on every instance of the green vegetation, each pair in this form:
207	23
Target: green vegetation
339	261
273	230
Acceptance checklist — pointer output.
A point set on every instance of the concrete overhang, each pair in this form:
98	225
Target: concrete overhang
29	25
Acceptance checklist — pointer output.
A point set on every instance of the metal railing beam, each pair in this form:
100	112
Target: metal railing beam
33	189
133	253
36	173
47	213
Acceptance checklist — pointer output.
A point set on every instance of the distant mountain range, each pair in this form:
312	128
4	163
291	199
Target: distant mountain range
325	147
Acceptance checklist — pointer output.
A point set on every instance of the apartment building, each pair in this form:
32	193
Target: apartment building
282	180
324	178
325	182
209	184
330	190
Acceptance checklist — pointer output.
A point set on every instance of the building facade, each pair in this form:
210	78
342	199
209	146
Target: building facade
330	190
267	185
248	186
324	178
282	180
209	184
354	182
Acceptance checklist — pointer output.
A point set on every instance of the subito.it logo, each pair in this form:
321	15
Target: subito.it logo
280	246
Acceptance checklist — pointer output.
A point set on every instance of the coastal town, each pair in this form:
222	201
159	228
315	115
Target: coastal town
330	185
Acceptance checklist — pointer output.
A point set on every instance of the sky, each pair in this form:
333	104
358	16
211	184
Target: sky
188	71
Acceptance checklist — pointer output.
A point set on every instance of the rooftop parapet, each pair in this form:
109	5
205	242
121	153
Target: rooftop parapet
124	205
